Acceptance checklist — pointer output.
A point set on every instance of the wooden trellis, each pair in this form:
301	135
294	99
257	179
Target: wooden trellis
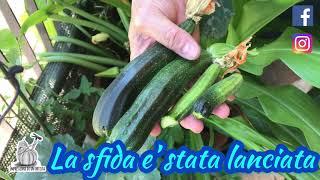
14	26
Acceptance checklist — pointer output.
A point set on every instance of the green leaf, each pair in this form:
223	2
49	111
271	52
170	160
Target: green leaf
215	26
35	18
85	86
194	141
252	68
240	131
295	112
109	73
124	19
176	131
308	176
72	94
307	66
7	39
250	22
289	106
49	25
219	50
10	47
122	4
5	176
39	16
245	91
80	123
259	120
315	94
233	37
70	1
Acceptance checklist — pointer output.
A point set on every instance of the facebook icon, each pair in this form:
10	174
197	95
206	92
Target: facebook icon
302	15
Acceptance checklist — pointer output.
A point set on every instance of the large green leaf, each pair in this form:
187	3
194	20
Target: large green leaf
39	16
249	21
235	128
215	26
7	39
10	46
240	131
49	25
258	119
307	66
233	37
288	106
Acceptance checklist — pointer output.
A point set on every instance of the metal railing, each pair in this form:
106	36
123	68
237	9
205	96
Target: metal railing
26	50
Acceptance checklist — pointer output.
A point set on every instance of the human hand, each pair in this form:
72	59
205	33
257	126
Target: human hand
156	20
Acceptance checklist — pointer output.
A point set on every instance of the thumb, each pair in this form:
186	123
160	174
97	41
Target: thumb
173	37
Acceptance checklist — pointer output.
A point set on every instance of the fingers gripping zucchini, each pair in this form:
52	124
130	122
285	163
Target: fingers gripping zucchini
215	95
155	100
124	89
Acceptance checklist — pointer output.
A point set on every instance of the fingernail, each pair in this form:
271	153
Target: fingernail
190	51
156	131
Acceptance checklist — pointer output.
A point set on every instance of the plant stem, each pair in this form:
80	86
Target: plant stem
211	139
95	19
91	58
83	44
124	19
118	38
84	31
76	61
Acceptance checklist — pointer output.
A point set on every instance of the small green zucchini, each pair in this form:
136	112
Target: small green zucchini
121	93
155	100
215	95
184	105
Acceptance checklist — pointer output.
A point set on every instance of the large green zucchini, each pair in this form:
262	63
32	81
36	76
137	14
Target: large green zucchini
155	100
124	89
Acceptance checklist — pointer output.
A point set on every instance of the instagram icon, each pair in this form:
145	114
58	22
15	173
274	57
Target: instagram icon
302	43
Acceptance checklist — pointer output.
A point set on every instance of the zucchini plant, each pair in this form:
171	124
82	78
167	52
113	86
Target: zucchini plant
93	27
